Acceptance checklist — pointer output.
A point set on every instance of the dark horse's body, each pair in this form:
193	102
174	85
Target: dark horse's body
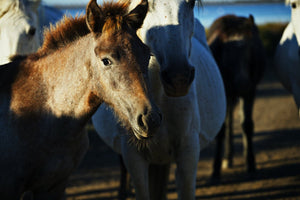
239	53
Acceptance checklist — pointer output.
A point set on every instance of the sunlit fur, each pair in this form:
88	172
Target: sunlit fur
70	29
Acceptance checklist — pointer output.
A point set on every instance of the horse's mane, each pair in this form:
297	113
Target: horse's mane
230	25
7	5
70	29
64	32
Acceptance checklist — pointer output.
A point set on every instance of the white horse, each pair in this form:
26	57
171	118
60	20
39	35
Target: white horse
193	111
45	15
18	27
287	56
22	24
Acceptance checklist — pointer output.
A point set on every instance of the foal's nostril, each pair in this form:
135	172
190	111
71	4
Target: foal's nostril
141	122
31	31
160	117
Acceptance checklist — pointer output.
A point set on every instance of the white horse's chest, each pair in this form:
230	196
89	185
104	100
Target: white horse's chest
162	152
174	132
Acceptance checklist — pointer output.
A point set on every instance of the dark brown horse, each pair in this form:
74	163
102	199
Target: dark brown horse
46	98
239	53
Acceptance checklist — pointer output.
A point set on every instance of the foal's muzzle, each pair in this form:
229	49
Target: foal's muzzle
148	123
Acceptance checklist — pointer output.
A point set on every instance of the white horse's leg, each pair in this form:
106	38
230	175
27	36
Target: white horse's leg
137	167
124	189
158	181
186	172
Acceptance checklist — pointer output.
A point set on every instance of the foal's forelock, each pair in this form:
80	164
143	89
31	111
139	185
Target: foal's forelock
70	29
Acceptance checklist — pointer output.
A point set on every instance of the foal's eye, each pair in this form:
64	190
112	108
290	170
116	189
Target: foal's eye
106	61
294	5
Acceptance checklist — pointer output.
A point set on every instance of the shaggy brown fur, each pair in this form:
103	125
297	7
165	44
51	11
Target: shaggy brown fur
70	29
63	33
229	25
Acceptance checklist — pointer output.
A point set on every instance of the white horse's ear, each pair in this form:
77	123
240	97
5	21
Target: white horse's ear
192	2
135	18
94	17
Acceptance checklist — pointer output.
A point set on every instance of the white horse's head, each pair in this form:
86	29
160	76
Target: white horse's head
18	27
295	17
167	30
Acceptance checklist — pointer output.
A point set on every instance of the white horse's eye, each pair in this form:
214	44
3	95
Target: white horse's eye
106	61
294	5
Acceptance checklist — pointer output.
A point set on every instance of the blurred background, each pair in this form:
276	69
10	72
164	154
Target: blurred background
264	11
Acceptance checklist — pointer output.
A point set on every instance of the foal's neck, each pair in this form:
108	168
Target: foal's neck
58	84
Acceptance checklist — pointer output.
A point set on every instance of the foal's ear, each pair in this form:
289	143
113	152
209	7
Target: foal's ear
135	18
94	17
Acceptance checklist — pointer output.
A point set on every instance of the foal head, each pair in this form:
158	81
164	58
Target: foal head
121	60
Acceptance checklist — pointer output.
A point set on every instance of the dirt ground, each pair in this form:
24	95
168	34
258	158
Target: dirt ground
276	144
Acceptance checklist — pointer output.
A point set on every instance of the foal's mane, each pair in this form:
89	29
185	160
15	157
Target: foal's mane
71	29
64	32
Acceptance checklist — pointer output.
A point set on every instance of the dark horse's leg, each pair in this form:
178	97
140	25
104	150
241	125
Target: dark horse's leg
248	130
225	132
229	148
218	155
